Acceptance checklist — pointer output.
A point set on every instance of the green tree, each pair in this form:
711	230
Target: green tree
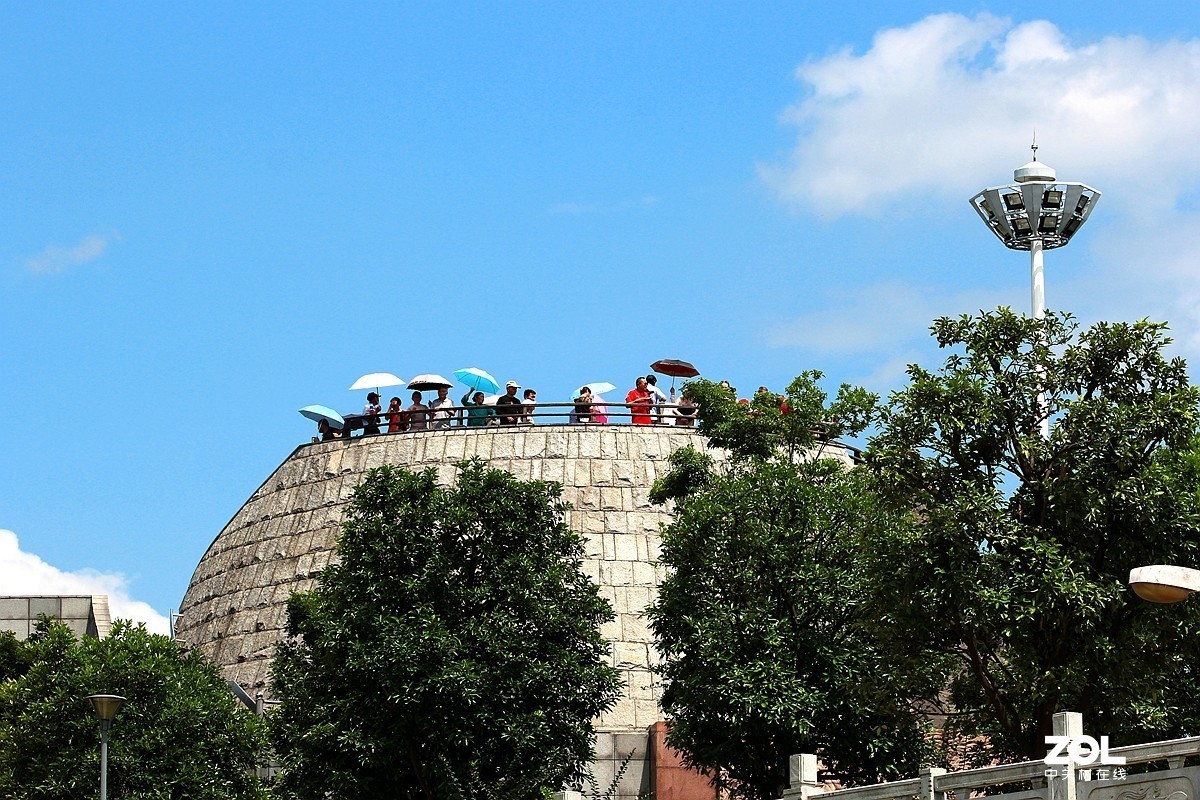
180	733
758	621
1013	585
454	651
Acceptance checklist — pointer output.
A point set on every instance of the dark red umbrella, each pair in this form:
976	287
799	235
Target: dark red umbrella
675	368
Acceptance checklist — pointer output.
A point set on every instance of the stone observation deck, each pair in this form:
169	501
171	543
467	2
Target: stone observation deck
234	611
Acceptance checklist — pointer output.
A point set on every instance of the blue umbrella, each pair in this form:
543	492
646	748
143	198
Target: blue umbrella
477	379
597	387
318	413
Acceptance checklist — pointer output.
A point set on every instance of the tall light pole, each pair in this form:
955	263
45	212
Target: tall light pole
106	706
1037	213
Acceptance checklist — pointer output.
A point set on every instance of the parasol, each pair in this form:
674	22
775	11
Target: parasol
318	413
376	380
675	368
477	379
429	382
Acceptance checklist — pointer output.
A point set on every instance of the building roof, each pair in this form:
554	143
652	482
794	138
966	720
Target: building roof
85	615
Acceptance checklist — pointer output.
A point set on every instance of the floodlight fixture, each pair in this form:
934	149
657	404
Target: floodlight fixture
1036	213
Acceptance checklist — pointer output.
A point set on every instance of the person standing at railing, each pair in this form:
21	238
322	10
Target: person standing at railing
327	431
441	409
530	396
640	402
478	414
397	420
508	405
371	412
599	410
658	397
583	406
685	414
418	414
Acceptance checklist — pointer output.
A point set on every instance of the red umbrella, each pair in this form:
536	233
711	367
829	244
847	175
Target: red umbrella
675	368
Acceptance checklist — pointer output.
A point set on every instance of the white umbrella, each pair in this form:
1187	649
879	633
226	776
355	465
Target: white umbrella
376	380
425	383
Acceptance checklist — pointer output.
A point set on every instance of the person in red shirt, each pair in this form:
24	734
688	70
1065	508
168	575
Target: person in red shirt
639	403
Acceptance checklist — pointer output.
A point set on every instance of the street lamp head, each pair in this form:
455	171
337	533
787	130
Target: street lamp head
1036	207
106	705
1163	583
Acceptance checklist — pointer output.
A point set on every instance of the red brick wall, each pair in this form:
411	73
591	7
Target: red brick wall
670	779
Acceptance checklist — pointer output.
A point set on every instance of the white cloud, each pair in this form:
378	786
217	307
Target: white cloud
892	373
933	112
867	322
55	258
26	573
876	319
946	105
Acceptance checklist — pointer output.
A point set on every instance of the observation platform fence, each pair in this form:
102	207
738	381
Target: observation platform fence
525	415
1153	771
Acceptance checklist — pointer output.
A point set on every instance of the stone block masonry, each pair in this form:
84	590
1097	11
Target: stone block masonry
234	611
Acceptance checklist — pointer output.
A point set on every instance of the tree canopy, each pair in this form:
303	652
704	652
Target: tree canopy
758	620
970	568
453	650
1014	582
180	734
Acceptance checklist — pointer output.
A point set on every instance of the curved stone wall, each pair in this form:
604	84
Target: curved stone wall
234	609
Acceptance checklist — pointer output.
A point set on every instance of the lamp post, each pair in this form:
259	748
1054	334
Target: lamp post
1037	213
106	706
1164	583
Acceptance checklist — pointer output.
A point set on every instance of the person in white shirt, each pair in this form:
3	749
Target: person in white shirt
527	405
371	412
441	412
658	397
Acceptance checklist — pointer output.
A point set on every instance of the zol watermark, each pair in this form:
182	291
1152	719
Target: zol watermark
1081	751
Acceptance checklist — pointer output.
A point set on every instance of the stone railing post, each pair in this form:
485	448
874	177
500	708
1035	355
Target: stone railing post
1061	780
802	777
929	790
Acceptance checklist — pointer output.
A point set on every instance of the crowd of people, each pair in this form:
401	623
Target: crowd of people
645	404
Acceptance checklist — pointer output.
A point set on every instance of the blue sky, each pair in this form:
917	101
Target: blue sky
213	216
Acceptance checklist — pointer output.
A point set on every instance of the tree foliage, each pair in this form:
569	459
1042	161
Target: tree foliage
789	426
971	568
453	651
1014	584
758	621
180	734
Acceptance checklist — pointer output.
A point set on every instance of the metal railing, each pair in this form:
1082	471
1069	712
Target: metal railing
1029	780
665	416
516	416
